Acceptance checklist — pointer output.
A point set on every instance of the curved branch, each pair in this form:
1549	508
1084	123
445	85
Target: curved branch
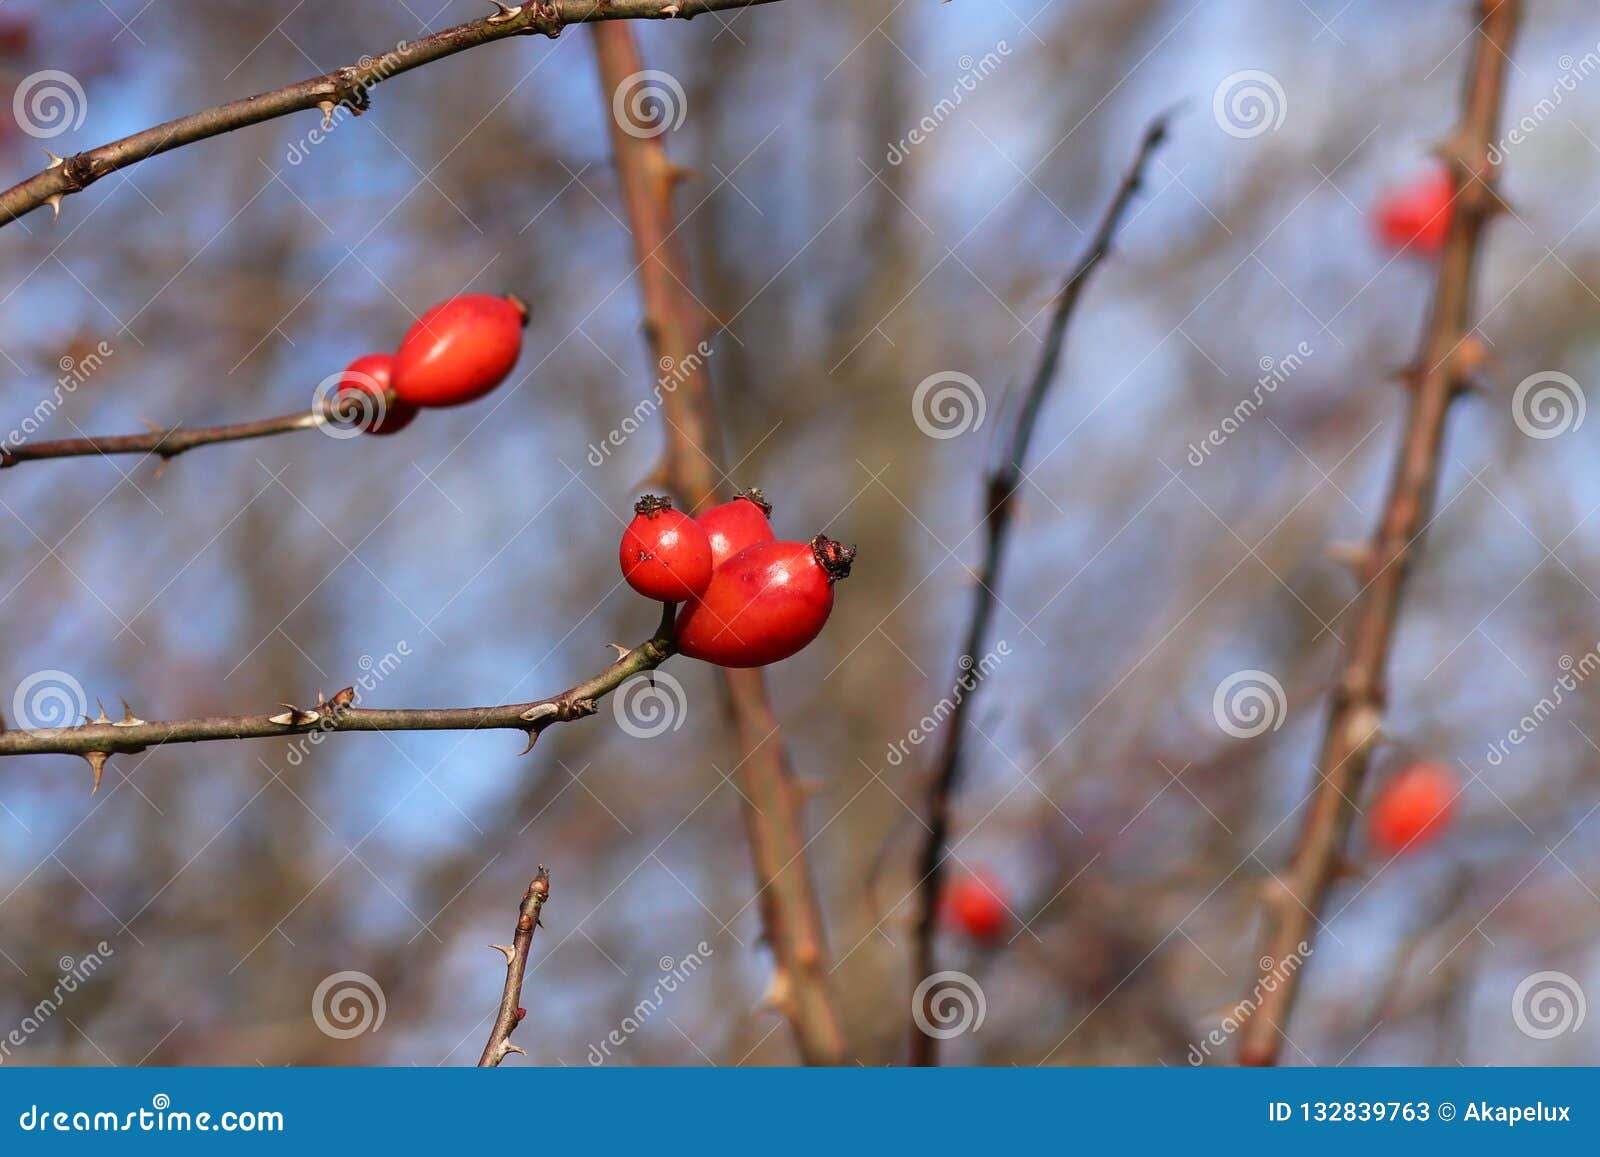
348	87
511	1013
97	739
999	495
165	443
1448	356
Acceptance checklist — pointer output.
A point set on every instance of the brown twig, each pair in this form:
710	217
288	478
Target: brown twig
511	1011
676	326
164	443
97	739
347	87
1448	357
999	496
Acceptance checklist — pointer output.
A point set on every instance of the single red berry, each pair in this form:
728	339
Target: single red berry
365	396
737	524
459	350
975	906
1413	808
1417	217
665	555
765	603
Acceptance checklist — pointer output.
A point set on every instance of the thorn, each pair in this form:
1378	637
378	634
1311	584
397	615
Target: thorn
1409	376
1355	556
129	719
511	1048
55	206
808	786
509	954
670	11
622	652
154	429
102	717
505	13
778	991
55	161
1348	869
295	717
327	107
97	763
679	175
533	737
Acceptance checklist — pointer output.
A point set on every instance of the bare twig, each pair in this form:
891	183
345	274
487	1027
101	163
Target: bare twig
1448	357
511	1011
96	739
164	443
772	800
1000	494
347	87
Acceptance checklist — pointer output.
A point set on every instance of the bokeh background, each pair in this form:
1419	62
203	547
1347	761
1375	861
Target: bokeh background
1128	831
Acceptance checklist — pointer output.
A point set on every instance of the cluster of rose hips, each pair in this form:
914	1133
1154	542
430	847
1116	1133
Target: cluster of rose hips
748	598
1413	808
1416	217
456	353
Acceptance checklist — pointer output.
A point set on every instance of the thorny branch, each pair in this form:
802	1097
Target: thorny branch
790	916
1448	358
98	739
511	1011
347	87
999	499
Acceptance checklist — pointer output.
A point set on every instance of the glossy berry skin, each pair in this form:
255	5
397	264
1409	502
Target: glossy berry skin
459	350
1417	217
764	604
735	525
975	906
664	554
1413	809
371	376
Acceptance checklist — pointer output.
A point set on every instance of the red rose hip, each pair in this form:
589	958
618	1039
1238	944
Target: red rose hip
737	524
975	906
1413	808
365	396
459	350
664	554
765	603
1417	217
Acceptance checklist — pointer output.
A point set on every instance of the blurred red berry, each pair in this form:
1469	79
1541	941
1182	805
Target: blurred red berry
365	396
1417	216
459	350
1413	808
975	906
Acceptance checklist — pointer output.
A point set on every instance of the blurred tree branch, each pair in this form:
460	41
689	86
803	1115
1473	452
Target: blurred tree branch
999	498
1448	357
346	87
511	1013
675	324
